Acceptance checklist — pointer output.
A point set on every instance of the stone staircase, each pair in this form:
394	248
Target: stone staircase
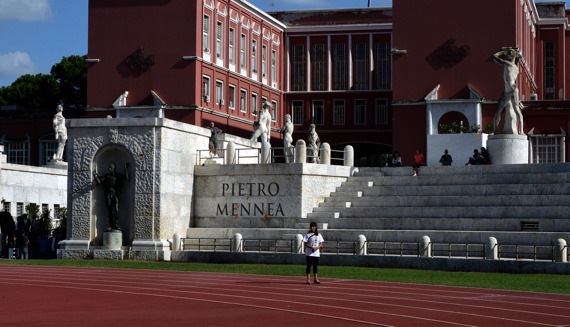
517	204
521	203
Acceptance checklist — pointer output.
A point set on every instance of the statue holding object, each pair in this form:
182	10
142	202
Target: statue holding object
112	188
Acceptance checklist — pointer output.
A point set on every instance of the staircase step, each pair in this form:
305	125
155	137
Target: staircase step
444	201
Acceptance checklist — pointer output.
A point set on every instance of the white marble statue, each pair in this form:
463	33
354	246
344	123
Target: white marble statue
509	101
262	127
313	145
287	131
60	133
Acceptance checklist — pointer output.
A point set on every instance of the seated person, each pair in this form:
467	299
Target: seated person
396	159
446	159
477	159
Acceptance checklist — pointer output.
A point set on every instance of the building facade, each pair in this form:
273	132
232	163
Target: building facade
380	79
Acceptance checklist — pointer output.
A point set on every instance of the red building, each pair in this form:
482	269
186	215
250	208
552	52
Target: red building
380	79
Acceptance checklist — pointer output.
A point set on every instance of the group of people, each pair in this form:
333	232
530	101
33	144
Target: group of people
32	241
478	158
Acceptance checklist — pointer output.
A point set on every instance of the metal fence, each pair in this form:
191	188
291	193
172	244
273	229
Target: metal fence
438	250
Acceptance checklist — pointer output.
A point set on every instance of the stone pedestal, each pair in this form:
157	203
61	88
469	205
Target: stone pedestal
113	240
57	164
507	149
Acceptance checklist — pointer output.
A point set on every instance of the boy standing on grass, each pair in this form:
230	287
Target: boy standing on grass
313	242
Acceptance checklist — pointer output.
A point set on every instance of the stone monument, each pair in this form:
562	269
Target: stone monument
313	145
510	146
287	131
262	127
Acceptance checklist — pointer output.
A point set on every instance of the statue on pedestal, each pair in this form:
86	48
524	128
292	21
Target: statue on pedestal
262	127
60	133
287	131
313	145
112	183
509	101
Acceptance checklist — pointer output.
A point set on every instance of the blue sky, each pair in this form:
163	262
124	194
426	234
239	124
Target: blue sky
36	34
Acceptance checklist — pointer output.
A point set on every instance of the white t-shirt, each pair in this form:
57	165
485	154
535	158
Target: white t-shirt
313	240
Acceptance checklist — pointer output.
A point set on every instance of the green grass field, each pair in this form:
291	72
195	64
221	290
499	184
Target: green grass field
522	282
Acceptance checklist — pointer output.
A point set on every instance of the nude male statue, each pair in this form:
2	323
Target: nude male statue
287	131
263	124
510	98
60	133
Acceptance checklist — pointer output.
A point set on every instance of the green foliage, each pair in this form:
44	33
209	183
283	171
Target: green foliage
455	128
33	210
71	74
32	92
489	128
66	85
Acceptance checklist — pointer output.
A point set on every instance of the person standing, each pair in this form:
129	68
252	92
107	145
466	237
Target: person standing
22	242
213	142
313	242
418	161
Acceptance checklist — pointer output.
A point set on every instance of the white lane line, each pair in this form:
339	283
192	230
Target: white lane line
242	304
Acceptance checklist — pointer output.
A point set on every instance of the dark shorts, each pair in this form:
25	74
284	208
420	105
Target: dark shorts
416	165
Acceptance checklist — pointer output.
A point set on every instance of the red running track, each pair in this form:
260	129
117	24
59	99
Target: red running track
65	296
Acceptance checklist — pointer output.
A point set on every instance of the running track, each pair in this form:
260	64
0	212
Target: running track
65	296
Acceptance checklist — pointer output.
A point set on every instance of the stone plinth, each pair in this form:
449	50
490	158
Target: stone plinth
113	240
505	149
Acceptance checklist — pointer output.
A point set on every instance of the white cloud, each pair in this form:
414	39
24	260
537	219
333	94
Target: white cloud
16	64
25	10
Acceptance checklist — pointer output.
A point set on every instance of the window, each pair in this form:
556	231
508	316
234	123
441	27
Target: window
19	208
547	149
339	71
17	152
339	112
549	73
231	46
232	97
219	38
6	206
206	32
45	207
274	111
47	150
206	88
243	100
382	65
298	113
319	70
254	56
318	112
264	61
298	73
254	103
361	71
220	93
55	210
381	111
242	51
360	112
273	66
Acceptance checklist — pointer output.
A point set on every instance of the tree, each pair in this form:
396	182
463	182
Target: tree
32	92
66	85
71	74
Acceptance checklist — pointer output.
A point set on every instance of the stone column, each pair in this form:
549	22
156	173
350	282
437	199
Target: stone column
361	247
298	245
492	249
325	154
300	152
231	153
237	245
176	241
425	246
265	153
560	251
348	156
